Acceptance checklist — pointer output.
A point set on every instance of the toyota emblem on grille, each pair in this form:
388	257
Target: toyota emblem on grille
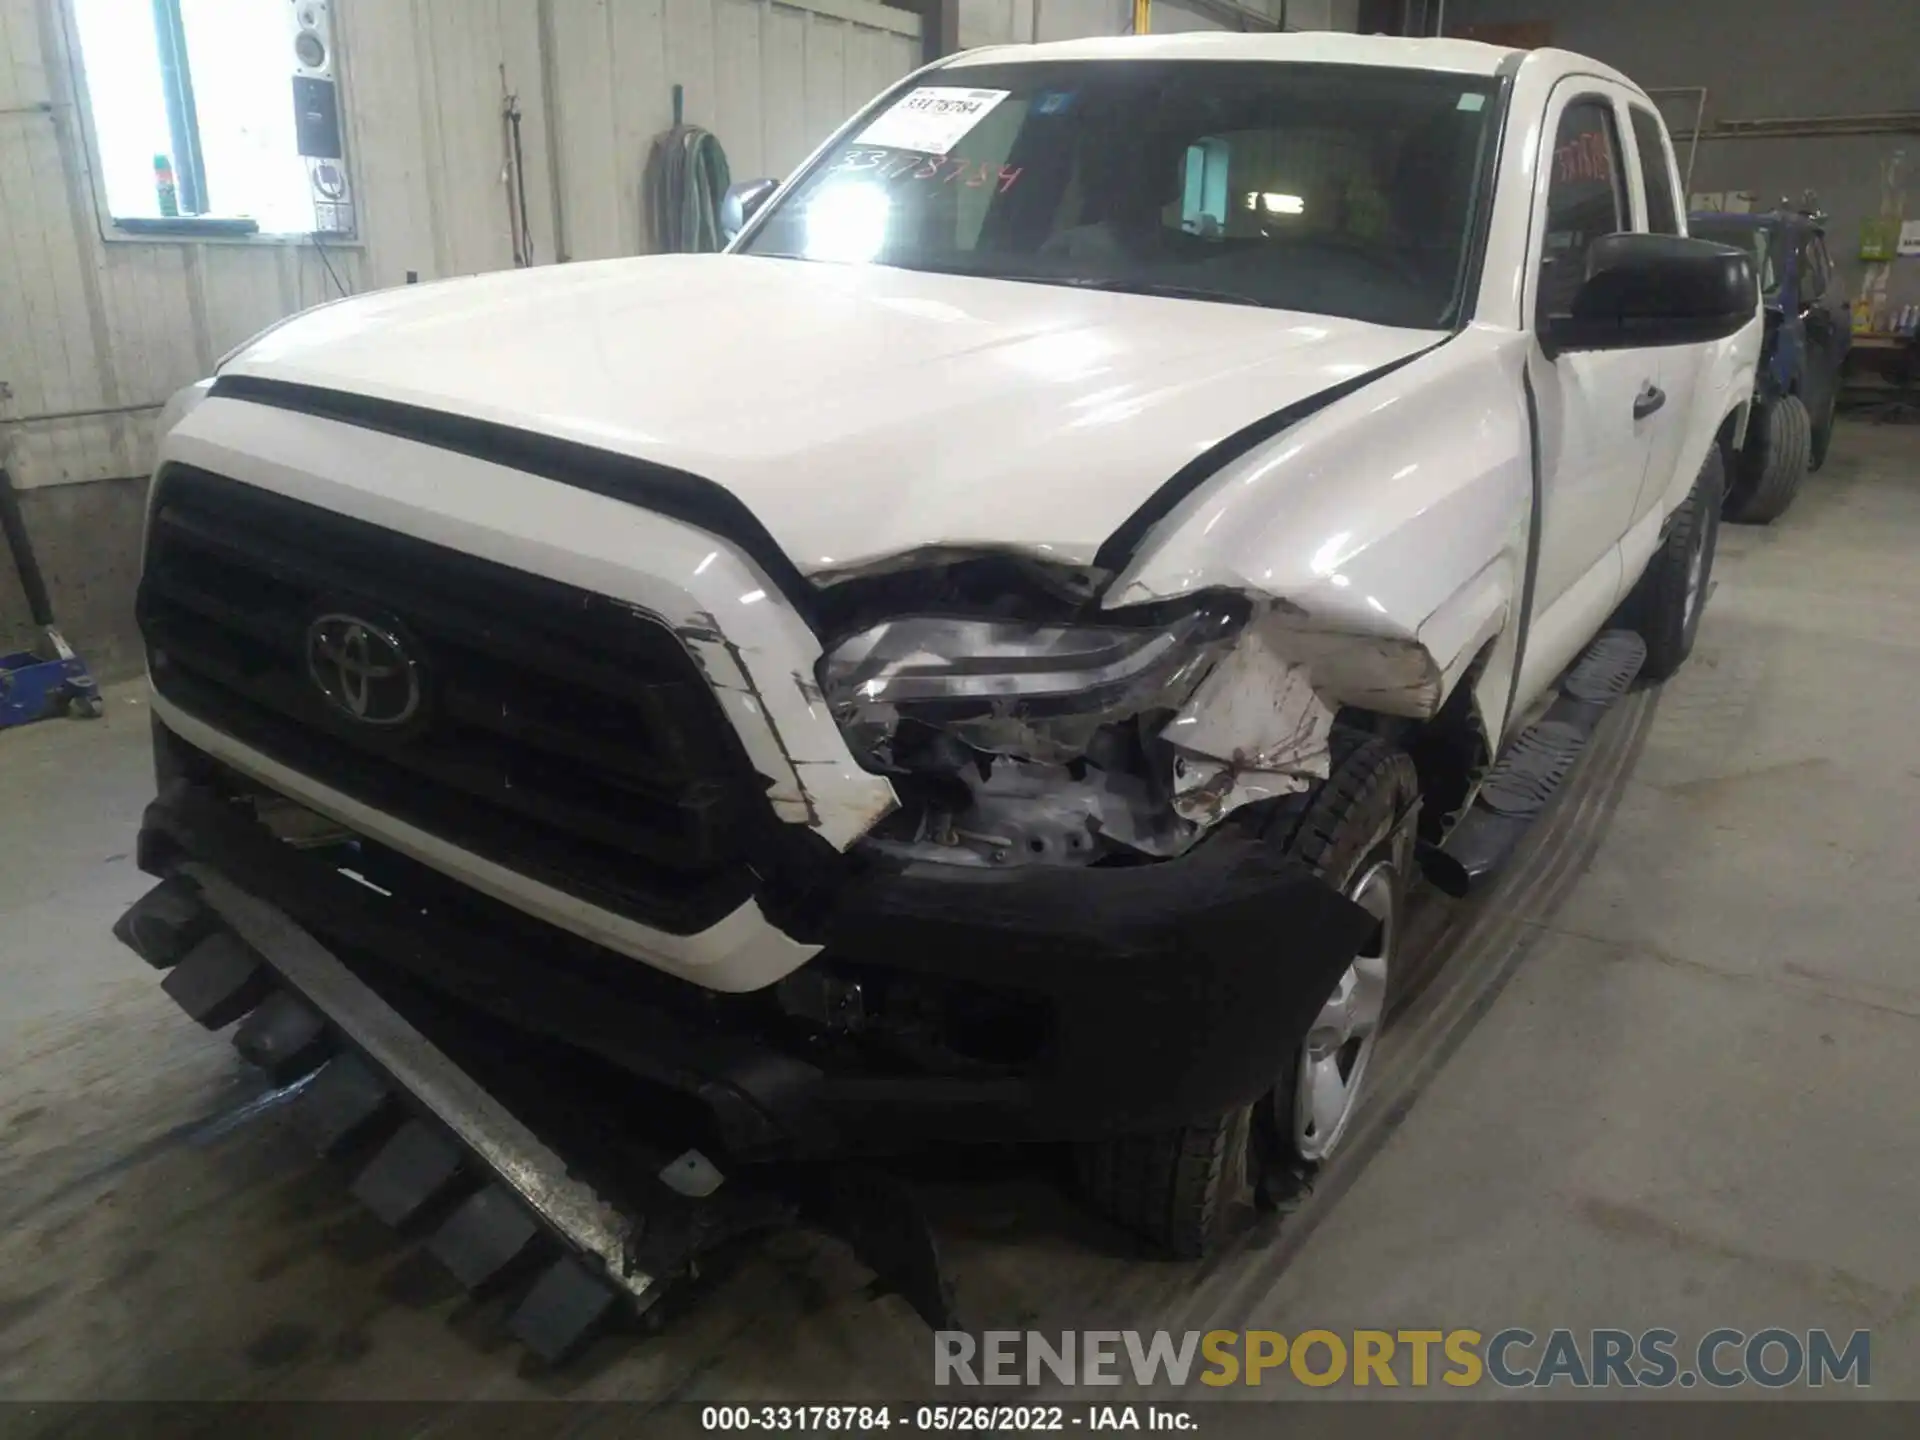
363	669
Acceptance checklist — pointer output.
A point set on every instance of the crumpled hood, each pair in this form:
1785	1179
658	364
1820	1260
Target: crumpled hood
858	411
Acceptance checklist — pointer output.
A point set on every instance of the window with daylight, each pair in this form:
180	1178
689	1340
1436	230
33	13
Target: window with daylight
213	117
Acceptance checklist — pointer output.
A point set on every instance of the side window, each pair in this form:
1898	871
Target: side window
1203	187
1765	243
1585	200
1815	269
1663	217
1293	181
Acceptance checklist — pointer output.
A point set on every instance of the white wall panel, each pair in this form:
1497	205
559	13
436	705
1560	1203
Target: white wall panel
739	117
526	75
824	54
1073	19
238	294
98	326
784	132
580	34
638	57
690	64
1012	22
460	100
875	60
88	323
53	348
387	93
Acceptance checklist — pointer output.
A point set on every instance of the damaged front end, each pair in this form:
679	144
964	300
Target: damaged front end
1022	725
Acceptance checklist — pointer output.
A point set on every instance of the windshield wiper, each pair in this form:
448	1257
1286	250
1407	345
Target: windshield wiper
1167	289
1171	290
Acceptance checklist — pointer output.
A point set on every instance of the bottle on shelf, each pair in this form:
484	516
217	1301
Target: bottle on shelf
164	187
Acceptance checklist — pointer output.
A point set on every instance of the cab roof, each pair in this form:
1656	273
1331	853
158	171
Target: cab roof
1760	219
1309	47
1463	57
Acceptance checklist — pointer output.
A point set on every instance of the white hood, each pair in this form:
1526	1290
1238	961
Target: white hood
859	411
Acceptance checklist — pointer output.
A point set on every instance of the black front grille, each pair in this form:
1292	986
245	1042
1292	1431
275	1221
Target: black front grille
561	733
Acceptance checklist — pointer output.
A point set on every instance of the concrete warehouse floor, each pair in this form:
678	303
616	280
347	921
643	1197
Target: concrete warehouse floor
1665	1077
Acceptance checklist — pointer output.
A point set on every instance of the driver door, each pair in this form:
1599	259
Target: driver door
1597	410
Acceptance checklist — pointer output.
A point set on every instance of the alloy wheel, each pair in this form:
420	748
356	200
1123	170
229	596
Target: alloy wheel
1333	1060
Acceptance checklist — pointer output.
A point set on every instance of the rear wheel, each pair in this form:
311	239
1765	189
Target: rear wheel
1822	433
1177	1188
1666	604
1771	467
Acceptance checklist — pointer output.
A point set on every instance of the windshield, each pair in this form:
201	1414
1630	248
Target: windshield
1342	190
1759	241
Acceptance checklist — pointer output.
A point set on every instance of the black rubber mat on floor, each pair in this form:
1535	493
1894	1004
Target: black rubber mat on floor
1529	773
1607	669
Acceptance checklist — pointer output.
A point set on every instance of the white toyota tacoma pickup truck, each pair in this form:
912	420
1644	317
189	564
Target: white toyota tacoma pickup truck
983	658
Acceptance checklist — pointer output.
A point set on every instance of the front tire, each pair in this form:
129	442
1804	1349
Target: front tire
1177	1188
1773	463
1666	604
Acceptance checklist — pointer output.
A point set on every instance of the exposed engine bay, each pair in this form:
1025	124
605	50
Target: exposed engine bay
1023	725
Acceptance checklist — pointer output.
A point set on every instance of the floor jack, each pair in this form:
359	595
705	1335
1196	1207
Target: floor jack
574	1236
51	680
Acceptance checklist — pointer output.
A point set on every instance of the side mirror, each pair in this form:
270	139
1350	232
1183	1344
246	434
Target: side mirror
741	200
1645	291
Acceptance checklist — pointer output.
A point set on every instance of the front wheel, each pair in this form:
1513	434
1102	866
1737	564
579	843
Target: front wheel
1313	1105
1177	1188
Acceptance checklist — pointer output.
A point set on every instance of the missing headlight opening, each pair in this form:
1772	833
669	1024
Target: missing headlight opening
1074	742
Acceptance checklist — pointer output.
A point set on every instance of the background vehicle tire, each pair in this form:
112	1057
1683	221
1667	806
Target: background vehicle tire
1666	604
1773	463
1822	434
1177	1188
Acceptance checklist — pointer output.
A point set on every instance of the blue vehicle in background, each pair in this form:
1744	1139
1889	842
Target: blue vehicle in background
1808	331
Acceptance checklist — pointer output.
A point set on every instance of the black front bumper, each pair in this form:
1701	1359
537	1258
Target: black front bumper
1158	994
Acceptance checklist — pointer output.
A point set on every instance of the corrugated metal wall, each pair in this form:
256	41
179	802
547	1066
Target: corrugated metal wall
1017	22
770	80
95	325
88	326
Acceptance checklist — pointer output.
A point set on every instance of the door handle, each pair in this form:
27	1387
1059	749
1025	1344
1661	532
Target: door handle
1650	399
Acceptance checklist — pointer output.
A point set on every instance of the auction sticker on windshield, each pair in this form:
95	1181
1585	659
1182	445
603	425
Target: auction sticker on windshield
932	119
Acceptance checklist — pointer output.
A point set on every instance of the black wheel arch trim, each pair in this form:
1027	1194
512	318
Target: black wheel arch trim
677	494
